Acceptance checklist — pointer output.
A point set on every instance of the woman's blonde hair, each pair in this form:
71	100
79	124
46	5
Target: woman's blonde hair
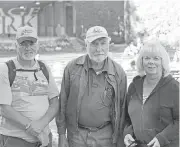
153	46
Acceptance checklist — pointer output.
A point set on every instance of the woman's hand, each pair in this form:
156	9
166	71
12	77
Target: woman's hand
128	139
154	143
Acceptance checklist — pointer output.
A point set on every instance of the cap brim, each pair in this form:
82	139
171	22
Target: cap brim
20	40
91	39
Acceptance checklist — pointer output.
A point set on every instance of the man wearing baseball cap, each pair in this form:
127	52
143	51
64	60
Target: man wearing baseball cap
29	95
92	95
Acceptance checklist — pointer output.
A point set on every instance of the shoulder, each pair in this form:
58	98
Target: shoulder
136	78
75	63
45	69
117	67
43	63
174	83
169	91
171	83
3	70
131	88
3	67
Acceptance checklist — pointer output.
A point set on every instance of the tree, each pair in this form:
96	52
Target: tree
153	19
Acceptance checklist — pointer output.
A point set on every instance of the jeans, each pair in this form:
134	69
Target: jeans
8	141
86	138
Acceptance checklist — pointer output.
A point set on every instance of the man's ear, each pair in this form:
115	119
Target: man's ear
109	39
85	43
16	44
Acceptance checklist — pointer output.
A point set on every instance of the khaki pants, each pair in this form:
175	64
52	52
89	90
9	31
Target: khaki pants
85	138
8	141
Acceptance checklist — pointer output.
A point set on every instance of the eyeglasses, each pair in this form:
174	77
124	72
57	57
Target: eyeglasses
102	41
155	58
27	44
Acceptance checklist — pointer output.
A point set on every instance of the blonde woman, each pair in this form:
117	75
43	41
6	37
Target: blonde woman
152	102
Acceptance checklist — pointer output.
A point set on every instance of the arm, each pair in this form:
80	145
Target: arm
123	92
53	100
128	125
8	112
51	112
171	132
128	133
60	119
39	125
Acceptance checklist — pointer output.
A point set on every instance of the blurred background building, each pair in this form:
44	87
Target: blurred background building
56	18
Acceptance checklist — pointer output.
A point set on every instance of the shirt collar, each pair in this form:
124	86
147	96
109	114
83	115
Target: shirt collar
18	65
108	67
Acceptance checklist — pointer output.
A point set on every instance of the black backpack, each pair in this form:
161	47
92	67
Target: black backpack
12	71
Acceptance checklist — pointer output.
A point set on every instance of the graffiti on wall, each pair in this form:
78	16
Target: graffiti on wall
11	19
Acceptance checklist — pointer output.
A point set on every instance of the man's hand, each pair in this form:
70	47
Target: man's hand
63	141
44	137
128	139
35	128
154	143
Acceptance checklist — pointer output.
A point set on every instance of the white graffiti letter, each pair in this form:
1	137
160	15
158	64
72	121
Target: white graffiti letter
32	13
2	12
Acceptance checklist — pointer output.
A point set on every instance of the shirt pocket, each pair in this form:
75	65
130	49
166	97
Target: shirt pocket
4	140
74	77
166	114
148	134
109	95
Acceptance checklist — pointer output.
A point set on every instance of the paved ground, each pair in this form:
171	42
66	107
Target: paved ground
57	62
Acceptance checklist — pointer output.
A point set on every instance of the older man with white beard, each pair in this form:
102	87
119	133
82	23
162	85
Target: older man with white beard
92	96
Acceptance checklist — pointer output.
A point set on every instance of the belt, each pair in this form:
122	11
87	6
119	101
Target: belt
94	129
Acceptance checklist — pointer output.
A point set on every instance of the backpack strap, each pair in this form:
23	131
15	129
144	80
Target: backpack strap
11	71
44	69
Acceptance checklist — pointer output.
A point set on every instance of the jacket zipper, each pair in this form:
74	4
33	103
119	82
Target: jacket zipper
77	111
142	115
77	118
142	120
79	104
115	117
